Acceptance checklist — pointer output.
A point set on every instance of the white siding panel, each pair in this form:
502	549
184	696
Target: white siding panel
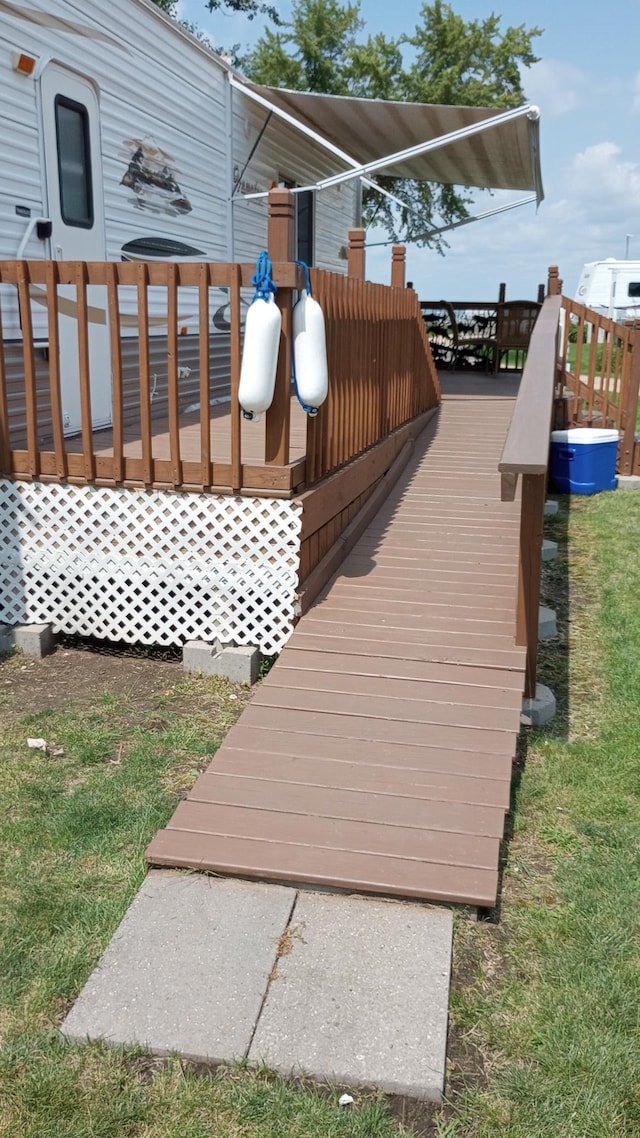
285	153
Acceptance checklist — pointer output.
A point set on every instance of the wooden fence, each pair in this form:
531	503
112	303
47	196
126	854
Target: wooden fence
599	377
380	365
381	368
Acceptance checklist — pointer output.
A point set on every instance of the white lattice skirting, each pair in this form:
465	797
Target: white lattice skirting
149	567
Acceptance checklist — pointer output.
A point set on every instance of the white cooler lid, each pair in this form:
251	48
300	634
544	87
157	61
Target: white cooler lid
582	435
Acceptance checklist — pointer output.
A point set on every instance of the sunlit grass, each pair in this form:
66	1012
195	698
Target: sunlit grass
551	1010
73	832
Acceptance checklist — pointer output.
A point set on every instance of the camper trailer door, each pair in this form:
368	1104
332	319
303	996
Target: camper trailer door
71	134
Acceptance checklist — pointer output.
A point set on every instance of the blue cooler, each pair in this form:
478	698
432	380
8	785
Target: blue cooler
583	460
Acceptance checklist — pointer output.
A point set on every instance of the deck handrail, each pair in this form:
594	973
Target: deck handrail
526	450
526	454
601	386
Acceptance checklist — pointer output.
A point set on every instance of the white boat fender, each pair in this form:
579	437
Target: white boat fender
261	344
310	367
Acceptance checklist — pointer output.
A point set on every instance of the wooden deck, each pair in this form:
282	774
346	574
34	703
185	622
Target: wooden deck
253	437
377	755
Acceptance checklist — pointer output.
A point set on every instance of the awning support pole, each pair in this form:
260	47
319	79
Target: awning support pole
310	133
463	221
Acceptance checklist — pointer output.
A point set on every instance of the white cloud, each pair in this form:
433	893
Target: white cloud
606	183
556	86
593	202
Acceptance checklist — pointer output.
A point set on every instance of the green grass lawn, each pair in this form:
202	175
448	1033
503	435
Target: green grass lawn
544	1038
547	1011
73	832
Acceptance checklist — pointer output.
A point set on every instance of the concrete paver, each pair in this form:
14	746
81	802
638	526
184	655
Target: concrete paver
188	968
362	996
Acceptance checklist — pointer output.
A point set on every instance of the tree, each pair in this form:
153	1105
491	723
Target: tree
251	9
445	60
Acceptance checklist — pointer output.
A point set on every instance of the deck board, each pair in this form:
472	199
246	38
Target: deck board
377	754
252	437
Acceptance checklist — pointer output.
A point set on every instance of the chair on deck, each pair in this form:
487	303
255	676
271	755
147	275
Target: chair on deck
469	338
516	319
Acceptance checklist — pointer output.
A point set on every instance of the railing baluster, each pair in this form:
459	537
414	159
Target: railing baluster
142	278
173	393
84	364
52	280
28	355
205	375
117	393
5	430
236	413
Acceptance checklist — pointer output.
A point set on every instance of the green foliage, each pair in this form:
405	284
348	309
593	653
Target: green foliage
250	8
445	60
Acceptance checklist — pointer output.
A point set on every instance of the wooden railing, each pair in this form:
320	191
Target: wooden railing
526	454
599	376
111	329
33	443
381	368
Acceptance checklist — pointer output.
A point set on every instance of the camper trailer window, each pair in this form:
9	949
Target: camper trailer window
634	288
74	163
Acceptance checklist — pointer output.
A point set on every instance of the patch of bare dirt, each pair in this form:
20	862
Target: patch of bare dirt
79	676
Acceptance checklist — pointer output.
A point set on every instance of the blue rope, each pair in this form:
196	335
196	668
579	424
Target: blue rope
305	406
262	280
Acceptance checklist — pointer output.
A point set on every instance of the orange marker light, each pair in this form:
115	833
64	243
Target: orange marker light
25	64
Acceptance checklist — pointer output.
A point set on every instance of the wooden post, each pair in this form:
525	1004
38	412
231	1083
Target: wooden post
356	258
502	293
627	447
530	570
554	284
5	436
281	239
398	266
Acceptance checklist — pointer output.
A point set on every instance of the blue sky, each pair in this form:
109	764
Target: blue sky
587	86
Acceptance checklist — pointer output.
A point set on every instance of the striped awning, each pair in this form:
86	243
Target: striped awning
462	146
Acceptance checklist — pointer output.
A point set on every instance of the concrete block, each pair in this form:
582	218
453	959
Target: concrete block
550	508
547	623
361	998
536	712
34	640
6	640
188	968
549	550
242	665
628	482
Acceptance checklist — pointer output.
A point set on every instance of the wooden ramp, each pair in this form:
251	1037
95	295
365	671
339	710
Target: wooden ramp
376	756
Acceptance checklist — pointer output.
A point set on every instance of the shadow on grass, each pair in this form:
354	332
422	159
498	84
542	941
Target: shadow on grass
558	592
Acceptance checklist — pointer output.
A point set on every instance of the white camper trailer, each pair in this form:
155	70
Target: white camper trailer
123	138
611	287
